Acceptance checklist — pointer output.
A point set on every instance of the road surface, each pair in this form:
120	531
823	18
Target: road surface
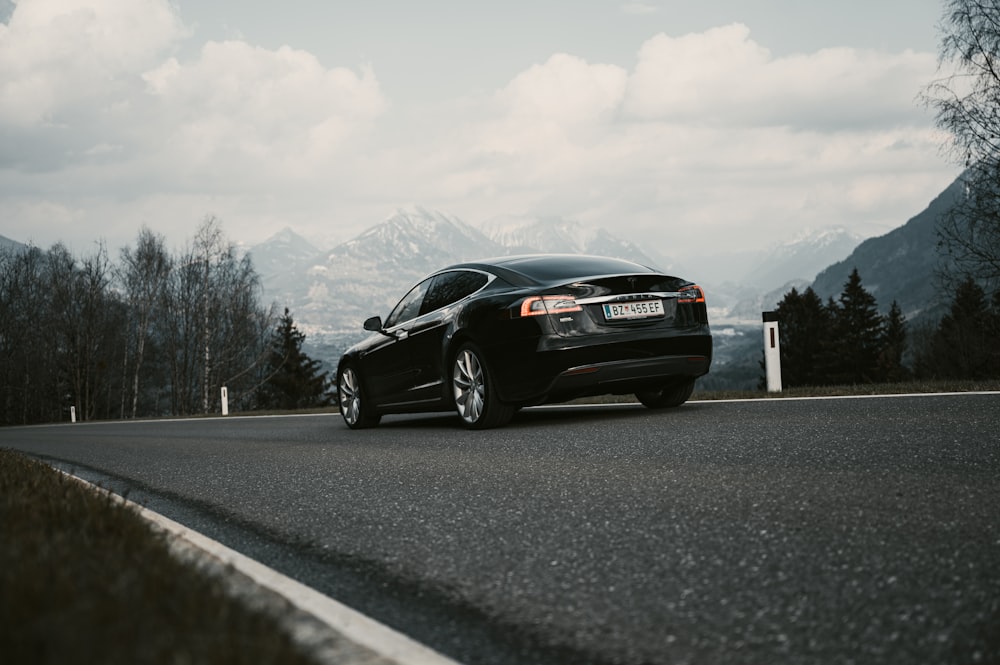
766	531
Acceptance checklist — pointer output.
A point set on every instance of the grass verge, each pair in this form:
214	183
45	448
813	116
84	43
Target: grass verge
85	579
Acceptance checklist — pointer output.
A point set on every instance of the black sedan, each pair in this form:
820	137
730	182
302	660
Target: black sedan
488	337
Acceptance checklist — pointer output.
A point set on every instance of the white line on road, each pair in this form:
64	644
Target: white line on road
354	626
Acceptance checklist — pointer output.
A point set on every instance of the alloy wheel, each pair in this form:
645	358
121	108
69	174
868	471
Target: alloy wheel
469	386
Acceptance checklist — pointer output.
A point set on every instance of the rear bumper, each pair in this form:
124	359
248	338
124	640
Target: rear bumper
626	376
558	369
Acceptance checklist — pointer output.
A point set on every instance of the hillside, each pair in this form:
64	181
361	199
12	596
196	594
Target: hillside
900	265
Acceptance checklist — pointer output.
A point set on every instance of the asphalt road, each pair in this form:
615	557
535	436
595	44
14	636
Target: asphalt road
768	531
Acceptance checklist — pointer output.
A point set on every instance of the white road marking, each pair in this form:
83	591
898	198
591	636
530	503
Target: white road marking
752	400
351	624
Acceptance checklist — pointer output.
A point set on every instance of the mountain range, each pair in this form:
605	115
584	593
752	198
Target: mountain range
331	292
6	244
902	265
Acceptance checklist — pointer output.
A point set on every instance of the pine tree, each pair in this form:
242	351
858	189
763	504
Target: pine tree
890	360
804	325
858	330
294	379
964	344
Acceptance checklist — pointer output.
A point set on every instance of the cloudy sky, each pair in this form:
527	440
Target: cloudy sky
732	123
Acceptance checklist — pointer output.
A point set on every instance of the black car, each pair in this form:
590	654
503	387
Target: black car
491	336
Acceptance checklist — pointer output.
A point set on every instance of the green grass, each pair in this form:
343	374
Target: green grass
85	579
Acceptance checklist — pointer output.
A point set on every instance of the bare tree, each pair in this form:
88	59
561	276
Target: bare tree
86	321
217	330
143	274
26	362
967	103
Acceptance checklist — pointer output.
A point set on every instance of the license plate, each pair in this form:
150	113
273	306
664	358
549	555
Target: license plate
637	309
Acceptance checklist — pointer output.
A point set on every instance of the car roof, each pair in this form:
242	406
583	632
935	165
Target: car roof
544	268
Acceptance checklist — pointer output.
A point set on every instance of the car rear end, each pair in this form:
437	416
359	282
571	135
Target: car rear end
614	334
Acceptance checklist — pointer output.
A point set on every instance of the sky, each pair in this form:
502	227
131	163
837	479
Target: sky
694	127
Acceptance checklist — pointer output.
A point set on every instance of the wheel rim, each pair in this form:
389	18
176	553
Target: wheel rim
469	386
350	397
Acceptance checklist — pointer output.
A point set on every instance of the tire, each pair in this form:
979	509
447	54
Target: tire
670	395
472	386
354	406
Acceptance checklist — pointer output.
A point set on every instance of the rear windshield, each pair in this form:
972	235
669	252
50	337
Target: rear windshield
564	268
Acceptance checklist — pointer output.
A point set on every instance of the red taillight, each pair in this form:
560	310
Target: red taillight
539	305
692	293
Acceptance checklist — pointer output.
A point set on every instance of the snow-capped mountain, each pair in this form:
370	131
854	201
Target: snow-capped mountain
331	293
8	245
756	281
366	275
277	252
276	260
802	257
902	265
558	235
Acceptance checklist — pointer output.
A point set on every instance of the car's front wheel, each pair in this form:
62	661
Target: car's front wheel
672	394
354	406
475	396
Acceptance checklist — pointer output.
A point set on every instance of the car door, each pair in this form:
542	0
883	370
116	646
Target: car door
427	333
388	369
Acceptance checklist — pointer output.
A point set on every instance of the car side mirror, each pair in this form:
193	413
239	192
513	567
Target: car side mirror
374	324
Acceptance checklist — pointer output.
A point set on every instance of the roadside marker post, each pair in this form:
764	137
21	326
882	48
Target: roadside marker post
225	401
772	352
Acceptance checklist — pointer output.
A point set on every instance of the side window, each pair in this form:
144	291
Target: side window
450	287
409	307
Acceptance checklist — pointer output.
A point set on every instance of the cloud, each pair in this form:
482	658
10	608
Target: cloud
639	8
706	135
86	83
58	57
566	88
268	115
723	77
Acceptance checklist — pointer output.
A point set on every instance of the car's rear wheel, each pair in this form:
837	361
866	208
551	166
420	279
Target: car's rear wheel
672	394
354	406
475	396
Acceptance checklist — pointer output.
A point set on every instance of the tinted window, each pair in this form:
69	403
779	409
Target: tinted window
409	307
565	268
450	287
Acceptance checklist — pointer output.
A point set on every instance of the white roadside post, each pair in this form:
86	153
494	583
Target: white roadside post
225	401
72	414
772	352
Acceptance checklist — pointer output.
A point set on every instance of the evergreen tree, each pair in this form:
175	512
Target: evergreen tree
890	360
804	325
294	379
858	335
964	344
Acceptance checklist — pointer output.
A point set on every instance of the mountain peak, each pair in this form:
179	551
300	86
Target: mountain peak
901	264
827	235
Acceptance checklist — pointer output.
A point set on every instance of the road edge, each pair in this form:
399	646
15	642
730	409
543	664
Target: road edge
344	621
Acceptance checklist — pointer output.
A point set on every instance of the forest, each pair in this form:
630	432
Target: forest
848	342
154	333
